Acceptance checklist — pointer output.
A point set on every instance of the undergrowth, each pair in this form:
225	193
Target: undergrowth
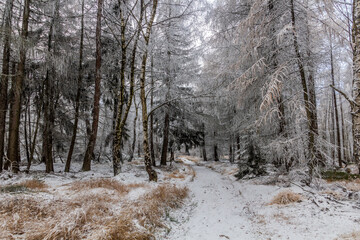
89	214
286	197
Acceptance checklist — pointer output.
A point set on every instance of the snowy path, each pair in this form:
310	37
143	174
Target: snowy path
220	212
222	209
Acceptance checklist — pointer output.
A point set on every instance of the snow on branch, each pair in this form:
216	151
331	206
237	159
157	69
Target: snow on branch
274	87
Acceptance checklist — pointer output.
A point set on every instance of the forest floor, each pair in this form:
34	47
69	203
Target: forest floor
192	200
221	207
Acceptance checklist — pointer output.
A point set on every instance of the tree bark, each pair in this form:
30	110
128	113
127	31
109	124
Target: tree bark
122	116
15	108
312	130
47	151
5	76
204	143
215	148
147	158
134	132
167	83
337	124
152	150
165	139
78	93
356	79
96	110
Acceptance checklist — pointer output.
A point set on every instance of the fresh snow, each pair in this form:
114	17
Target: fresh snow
219	206
223	208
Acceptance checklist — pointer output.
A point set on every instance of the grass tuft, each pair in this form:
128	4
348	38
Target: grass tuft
104	183
286	197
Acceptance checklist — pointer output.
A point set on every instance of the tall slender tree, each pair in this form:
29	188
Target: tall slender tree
5	76
147	158
96	107
17	86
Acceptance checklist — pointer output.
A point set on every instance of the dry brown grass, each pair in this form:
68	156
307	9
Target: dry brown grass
175	174
351	236
104	183
148	212
286	197
155	203
88	215
34	184
24	186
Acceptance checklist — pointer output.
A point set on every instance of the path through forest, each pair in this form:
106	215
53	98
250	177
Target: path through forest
220	211
222	208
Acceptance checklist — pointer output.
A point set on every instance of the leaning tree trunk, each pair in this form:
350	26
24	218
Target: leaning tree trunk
5	76
96	110
147	158
78	93
15	108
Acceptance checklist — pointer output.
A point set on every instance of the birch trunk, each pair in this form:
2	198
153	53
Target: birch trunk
147	158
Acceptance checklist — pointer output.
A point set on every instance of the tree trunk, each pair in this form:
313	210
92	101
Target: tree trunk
312	130
167	97
152	150
165	139
134	133
337	124
204	143
27	114
147	158
123	115
5	77
47	135
356	79
92	140
15	108
231	152
216	156
344	138
33	144
78	93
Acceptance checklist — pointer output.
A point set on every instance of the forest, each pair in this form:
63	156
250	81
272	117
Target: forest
179	119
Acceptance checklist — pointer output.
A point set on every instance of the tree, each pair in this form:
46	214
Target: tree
147	158
121	115
96	107
78	93
5	76
17	86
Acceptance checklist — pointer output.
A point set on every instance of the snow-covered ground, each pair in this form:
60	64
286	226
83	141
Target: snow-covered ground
219	206
223	208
